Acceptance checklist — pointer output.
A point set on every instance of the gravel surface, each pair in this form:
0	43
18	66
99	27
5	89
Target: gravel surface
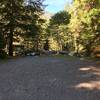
48	78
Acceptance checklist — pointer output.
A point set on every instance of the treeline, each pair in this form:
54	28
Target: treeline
85	25
20	22
77	29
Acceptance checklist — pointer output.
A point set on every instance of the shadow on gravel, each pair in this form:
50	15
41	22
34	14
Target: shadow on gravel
90	78
88	82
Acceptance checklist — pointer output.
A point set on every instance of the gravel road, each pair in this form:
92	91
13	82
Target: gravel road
49	78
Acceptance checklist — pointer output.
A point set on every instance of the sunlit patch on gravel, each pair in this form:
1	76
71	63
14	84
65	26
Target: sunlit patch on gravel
89	85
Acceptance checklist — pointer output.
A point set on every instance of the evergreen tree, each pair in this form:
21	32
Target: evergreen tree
58	27
35	23
10	11
19	18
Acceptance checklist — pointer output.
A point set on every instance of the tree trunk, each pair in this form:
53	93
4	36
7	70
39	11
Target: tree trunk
11	42
12	23
88	49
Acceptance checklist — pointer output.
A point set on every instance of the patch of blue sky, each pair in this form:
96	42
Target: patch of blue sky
56	5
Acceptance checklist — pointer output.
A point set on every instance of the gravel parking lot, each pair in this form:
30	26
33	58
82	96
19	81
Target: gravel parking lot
49	78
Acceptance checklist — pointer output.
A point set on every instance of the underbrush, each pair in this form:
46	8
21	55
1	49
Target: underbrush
3	55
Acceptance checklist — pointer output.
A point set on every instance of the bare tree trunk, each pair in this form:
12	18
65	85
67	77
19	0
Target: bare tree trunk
11	43
12	22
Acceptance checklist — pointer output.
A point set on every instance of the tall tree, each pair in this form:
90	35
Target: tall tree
19	17
10	11
34	11
58	26
85	23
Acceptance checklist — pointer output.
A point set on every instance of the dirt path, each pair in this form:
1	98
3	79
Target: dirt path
47	78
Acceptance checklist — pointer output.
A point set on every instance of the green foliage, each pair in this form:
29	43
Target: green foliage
57	28
60	18
18	18
33	12
85	24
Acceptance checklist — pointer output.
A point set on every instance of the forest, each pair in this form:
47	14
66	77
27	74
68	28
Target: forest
50	54
24	28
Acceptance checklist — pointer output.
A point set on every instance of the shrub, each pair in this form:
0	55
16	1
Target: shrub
3	54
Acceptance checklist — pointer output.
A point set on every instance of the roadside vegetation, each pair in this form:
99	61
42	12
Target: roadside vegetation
24	29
